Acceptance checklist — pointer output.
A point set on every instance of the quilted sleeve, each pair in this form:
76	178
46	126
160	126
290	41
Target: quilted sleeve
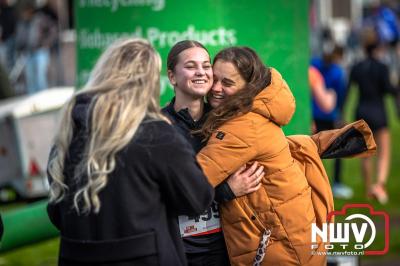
225	152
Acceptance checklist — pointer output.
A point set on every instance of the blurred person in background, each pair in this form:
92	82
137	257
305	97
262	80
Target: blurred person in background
334	77
6	90
56	72
325	98
119	173
372	78
384	20
8	23
36	34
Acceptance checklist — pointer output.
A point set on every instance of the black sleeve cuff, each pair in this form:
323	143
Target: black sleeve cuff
223	193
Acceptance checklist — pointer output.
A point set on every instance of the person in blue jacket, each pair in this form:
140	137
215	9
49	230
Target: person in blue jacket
335	79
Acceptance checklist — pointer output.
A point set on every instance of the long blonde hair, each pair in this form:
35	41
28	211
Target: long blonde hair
125	87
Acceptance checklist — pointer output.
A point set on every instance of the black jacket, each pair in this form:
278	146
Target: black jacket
156	179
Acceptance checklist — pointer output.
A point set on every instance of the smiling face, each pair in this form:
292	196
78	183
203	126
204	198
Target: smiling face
192	75
227	81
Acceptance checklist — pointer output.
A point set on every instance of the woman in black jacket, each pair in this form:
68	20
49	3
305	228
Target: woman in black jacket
119	173
372	78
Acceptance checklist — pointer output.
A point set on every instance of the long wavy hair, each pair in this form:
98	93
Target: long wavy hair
125	87
257	77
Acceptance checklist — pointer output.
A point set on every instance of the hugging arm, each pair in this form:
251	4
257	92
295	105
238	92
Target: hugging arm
242	182
181	180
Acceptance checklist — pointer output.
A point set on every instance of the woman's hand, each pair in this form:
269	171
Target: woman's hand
245	181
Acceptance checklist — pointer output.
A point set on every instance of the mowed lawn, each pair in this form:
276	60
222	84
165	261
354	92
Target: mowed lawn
45	253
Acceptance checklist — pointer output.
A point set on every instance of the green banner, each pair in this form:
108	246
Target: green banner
276	29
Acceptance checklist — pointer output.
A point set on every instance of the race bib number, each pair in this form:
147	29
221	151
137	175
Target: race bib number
206	223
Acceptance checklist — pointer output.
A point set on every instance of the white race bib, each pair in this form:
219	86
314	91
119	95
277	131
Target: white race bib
206	223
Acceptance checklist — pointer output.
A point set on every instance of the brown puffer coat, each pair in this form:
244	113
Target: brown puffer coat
295	191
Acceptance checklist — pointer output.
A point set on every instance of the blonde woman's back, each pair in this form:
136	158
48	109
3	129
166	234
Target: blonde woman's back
138	178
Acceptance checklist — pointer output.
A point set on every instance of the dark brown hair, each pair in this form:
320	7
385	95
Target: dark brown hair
257	77
370	40
178	48
332	52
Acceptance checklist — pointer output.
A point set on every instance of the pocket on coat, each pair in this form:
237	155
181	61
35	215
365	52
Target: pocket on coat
241	238
261	204
232	211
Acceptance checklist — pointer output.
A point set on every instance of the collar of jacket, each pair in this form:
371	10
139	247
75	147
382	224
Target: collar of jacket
276	102
81	113
184	116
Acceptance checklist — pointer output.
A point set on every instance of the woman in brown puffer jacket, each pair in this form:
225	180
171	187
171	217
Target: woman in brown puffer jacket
251	104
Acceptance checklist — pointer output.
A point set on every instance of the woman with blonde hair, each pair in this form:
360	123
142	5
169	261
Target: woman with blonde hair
115	191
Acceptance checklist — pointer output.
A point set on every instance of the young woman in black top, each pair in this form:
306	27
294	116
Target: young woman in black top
190	72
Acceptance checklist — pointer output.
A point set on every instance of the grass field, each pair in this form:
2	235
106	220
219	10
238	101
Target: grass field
45	253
